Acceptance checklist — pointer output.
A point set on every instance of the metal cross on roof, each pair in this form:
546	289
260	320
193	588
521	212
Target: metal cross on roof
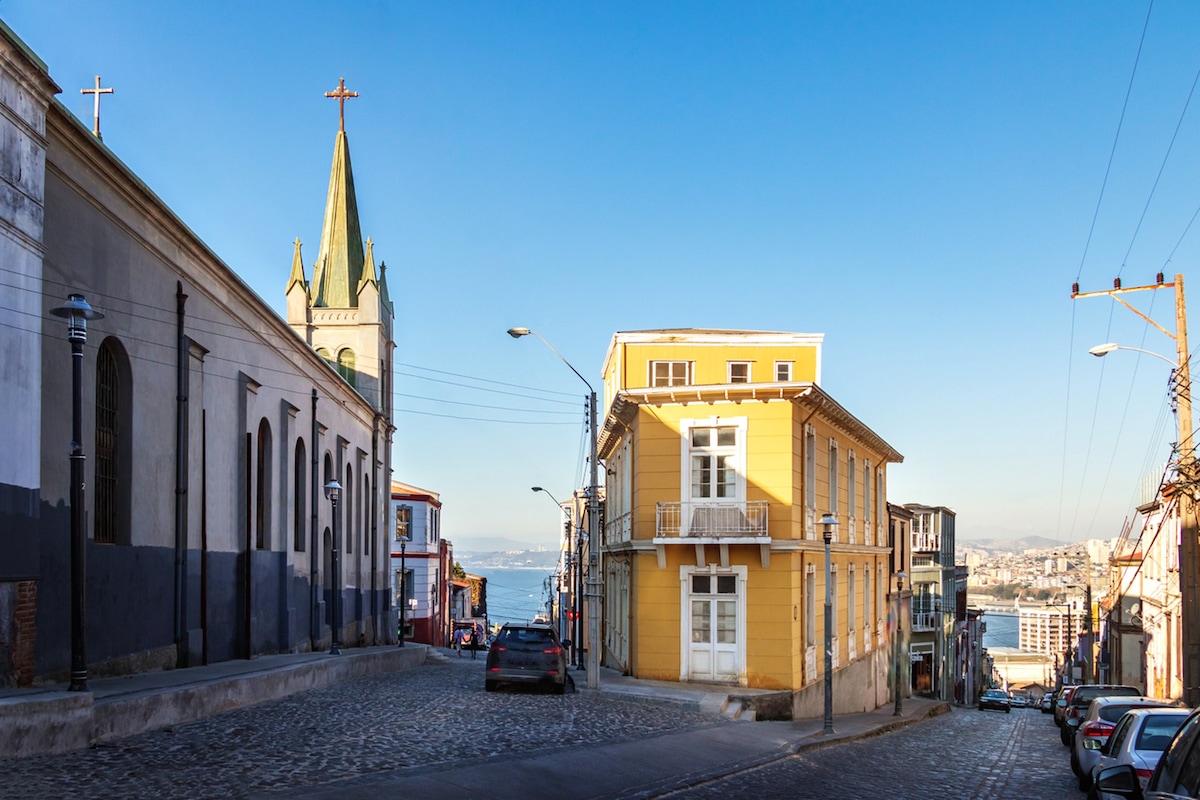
96	114
341	94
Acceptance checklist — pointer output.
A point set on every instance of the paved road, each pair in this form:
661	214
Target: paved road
964	755
434	714
423	731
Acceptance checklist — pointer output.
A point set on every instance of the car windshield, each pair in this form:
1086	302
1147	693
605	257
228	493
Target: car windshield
996	694
1157	731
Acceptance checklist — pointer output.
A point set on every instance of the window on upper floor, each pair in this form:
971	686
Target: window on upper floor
783	371
435	524
739	371
833	477
714	456
810	468
670	373
403	523
851	484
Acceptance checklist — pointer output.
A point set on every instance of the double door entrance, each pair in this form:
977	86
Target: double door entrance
714	624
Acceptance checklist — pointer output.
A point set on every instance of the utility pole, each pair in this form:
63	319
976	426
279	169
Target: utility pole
1186	480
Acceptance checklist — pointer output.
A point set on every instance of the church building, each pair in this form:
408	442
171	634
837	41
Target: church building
210	426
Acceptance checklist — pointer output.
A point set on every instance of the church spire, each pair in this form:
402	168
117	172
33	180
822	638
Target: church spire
340	258
297	276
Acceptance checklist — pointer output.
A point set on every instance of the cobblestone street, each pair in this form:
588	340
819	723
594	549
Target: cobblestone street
432	720
964	755
434	714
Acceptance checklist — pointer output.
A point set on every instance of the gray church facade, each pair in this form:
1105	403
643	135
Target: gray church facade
210	425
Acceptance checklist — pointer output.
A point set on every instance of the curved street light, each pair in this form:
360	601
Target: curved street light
1101	350
593	507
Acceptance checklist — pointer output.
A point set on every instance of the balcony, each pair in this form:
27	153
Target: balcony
720	524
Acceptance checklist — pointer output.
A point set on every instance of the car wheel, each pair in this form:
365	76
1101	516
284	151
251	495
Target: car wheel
489	686
1085	781
1075	763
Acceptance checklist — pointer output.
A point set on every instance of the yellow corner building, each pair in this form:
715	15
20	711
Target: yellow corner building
723	453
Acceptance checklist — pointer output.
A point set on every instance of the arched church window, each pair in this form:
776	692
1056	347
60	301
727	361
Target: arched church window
113	444
299	496
262	486
348	498
346	365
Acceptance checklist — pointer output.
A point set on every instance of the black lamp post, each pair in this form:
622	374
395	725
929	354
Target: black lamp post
899	632
403	590
574	618
594	582
828	521
77	312
333	490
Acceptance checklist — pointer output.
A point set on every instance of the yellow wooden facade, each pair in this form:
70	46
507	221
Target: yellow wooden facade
712	553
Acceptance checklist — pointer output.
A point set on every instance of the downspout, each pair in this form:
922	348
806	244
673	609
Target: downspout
313	593
376	617
181	485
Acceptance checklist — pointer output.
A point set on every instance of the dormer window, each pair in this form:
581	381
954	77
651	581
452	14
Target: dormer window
739	371
670	373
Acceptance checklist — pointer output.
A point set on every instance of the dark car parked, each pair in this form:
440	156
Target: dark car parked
527	654
995	698
1176	776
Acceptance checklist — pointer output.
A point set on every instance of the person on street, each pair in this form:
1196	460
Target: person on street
474	641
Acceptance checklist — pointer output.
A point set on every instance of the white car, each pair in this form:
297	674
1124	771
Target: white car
1017	701
1138	740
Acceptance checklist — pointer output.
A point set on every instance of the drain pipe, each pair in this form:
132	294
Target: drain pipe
181	479
314	631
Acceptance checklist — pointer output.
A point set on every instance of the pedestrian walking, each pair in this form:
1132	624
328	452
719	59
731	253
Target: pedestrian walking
474	641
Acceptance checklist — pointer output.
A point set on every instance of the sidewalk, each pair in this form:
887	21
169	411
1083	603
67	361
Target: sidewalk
52	720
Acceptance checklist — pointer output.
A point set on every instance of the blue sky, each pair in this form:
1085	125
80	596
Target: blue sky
916	181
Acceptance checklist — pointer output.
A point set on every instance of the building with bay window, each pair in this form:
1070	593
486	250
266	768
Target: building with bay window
723	453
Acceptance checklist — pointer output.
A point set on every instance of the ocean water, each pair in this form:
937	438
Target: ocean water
515	594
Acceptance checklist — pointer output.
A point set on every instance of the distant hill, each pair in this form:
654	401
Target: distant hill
997	545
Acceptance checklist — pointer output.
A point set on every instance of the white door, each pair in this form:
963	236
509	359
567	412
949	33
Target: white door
714	634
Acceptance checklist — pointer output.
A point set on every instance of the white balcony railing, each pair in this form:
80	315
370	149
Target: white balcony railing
711	520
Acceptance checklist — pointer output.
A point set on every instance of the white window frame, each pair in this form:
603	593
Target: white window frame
672	378
783	371
741	424
731	365
833	479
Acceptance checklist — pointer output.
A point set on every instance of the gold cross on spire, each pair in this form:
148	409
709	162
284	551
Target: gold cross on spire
341	94
96	114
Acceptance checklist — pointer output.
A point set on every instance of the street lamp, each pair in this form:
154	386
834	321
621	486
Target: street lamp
899	632
77	312
575	576
403	590
333	491
1189	546
829	521
593	509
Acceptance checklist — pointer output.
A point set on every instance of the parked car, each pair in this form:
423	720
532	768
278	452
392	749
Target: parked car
1138	740
1095	727
995	698
1017	701
1177	774
1082	697
1061	699
1047	703
527	654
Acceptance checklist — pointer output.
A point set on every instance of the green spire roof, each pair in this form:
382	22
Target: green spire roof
340	259
297	270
